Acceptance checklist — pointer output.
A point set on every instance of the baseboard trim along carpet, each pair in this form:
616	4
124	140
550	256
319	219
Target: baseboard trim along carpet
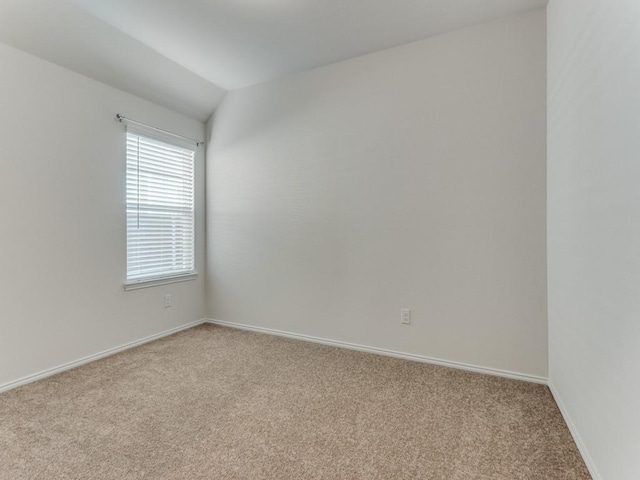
97	356
388	353
582	448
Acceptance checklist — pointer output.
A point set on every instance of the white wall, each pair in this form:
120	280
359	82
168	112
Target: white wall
413	177
63	246
594	227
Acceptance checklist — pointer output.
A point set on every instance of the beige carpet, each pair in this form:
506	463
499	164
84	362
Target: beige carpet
218	403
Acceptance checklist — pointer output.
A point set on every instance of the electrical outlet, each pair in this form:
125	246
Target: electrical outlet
167	301
405	316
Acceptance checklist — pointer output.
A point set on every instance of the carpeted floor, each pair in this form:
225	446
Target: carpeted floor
218	403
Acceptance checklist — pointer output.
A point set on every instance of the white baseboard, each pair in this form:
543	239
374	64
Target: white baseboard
106	353
582	448
388	353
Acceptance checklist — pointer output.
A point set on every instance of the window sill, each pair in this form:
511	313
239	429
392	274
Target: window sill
154	282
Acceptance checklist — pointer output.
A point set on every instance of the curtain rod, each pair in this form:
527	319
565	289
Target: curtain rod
123	119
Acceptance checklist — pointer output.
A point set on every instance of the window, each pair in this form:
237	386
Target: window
160	210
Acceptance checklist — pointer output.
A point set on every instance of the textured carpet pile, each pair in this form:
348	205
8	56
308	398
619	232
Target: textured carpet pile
218	403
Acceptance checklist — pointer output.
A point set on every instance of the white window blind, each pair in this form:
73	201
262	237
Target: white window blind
160	209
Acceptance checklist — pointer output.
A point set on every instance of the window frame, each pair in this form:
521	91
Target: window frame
167	277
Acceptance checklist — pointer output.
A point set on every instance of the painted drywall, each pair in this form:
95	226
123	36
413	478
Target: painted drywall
410	178
62	205
594	227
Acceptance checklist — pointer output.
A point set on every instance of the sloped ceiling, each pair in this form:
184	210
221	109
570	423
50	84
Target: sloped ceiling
61	33
184	54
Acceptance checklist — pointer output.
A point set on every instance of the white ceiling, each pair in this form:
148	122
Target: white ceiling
185	53
63	34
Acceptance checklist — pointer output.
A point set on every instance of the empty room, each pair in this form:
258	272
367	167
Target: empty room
320	239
